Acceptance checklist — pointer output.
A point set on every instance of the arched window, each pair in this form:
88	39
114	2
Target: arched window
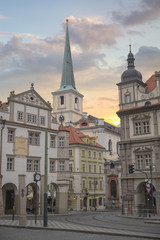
76	100
110	145
113	188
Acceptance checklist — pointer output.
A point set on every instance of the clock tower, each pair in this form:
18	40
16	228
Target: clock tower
67	101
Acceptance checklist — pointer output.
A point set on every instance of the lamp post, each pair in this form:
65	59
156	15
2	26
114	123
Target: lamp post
95	183
3	121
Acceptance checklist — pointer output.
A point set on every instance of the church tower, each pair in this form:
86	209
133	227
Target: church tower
67	101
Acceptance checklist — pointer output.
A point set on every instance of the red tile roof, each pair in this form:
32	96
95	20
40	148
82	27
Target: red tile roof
151	83
3	104
62	128
75	136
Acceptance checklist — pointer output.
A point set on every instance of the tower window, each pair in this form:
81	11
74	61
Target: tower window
62	100
76	100
128	98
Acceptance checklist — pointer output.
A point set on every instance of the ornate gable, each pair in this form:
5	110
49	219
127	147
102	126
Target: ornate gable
30	97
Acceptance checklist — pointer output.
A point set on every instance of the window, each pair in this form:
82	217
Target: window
139	161
70	167
138	128
52	141
36	165
90	185
110	145
148	161
70	184
10	164
90	168
29	165
61	166
143	161
34	138
146	127
83	153
112	166
83	184
141	127
76	100
33	165
31	118
83	167
42	120
62	100
94	155
95	168
100	169
52	166
127	98
70	153
100	156
11	135
89	154
20	116
101	185
61	142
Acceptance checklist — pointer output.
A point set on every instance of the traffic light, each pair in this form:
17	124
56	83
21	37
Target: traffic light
131	168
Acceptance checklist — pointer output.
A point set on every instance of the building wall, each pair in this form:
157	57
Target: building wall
79	176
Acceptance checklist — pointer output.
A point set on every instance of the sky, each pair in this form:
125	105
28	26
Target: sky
32	37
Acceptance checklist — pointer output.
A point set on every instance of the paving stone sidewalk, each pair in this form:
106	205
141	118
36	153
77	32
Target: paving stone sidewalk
62	226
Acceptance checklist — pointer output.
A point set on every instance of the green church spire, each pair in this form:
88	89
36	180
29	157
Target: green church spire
67	81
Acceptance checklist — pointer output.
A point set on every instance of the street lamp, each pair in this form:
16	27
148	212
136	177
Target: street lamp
3	121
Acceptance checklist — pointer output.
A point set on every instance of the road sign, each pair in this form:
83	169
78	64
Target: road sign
155	194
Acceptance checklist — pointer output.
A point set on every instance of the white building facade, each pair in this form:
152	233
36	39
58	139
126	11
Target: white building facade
29	137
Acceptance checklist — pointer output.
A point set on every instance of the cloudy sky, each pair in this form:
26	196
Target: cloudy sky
32	46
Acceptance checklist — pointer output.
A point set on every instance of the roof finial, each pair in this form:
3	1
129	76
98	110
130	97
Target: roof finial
32	85
67	19
130	47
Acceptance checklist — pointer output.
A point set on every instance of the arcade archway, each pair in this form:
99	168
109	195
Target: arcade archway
9	197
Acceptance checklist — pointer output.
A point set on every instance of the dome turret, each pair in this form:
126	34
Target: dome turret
131	73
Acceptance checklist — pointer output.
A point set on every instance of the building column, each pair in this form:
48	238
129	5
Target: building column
1	198
22	200
62	198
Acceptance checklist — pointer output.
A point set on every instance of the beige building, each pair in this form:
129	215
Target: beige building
139	112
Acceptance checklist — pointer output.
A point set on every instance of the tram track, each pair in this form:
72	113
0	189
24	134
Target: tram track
116	223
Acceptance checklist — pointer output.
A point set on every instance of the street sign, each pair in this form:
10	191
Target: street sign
155	194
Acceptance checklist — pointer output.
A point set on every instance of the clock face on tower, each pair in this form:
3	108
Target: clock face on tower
61	119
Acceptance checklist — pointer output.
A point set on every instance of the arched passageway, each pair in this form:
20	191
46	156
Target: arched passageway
145	197
9	197
32	197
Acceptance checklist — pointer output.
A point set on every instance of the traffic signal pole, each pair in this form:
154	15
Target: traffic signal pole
45	217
